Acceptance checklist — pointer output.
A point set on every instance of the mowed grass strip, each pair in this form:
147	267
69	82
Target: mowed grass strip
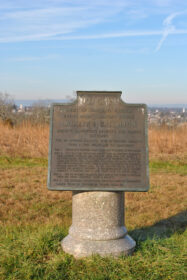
35	220
24	198
179	167
155	166
12	162
35	253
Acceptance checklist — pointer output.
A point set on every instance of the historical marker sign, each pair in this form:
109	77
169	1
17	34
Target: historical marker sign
98	143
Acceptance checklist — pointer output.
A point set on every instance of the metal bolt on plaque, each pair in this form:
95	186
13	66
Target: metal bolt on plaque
98	149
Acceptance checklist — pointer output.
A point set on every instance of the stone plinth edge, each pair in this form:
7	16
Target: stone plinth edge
86	248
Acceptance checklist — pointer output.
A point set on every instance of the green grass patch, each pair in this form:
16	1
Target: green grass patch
155	166
35	253
11	162
167	166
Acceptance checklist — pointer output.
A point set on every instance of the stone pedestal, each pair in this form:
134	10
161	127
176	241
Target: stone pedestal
98	225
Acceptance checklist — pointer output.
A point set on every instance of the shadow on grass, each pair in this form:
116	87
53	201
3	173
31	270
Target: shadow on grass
162	229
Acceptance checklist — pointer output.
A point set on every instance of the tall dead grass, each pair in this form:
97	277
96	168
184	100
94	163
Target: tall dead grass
25	140
31	141
168	142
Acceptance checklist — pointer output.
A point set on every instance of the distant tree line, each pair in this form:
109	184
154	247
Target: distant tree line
38	113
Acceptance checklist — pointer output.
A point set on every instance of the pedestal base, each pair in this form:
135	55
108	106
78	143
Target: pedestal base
85	248
98	225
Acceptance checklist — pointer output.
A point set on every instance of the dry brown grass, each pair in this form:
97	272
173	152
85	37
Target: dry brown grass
25	140
24	199
168	143
166	197
32	141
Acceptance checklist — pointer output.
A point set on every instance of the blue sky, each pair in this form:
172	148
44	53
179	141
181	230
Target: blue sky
51	48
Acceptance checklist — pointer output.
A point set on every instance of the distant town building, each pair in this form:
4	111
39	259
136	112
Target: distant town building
167	116
21	108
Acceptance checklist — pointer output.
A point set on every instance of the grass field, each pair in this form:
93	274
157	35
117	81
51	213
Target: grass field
33	220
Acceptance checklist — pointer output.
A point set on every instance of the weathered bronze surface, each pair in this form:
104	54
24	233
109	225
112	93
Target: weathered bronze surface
98	143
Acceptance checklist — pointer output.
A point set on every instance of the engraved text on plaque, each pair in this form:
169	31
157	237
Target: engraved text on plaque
98	143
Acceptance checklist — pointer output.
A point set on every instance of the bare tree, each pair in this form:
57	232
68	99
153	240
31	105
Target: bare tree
7	106
40	111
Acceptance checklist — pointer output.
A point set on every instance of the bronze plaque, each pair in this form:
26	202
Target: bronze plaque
98	143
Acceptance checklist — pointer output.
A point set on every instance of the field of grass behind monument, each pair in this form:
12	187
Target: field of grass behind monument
33	220
31	141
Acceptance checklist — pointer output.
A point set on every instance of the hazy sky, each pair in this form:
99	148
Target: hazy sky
51	48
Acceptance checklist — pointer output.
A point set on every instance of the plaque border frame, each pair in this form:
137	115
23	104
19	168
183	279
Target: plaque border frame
122	189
